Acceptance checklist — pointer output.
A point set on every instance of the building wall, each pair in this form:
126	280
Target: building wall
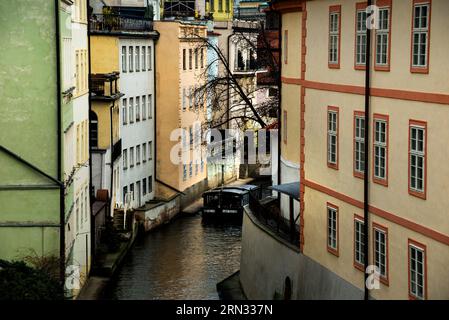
171	80
167	102
29	128
137	84
78	225
263	271
104	47
290	124
405	216
220	15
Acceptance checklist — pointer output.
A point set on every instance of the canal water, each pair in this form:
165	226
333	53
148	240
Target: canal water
182	260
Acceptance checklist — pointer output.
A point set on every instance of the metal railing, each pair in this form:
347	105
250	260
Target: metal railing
267	211
116	23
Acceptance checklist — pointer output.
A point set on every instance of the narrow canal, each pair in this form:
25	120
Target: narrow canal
182	260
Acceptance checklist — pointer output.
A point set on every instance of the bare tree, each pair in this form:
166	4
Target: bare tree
232	94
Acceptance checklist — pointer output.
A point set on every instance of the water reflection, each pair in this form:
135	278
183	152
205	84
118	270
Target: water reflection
183	260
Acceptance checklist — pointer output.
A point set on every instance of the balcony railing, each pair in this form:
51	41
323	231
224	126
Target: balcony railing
267	211
179	8
118	23
104	86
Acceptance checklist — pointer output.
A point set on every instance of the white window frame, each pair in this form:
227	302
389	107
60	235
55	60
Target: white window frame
144	107
361	38
125	159
332	228
414	272
124	112
131	59
378	253
137	106
383	37
124	59
131	157
137	53
420	30
332	133
380	145
149	54
359	144
144	58
150	106
359	241
144	152
334	37
418	154
131	110
138	154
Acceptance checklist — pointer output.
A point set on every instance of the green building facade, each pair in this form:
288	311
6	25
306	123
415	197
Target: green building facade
35	202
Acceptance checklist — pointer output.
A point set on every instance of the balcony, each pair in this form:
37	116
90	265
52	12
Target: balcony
266	209
179	9
116	23
104	86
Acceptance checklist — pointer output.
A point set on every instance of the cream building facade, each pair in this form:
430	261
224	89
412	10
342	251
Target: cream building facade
399	227
180	70
407	231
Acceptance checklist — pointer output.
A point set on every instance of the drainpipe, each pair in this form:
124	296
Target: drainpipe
59	156
154	109
112	151
366	174
228	94
279	97
91	195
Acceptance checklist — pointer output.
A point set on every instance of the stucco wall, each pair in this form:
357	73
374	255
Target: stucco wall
28	125
266	261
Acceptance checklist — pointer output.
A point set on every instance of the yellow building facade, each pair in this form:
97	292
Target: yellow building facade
105	114
221	10
323	75
180	70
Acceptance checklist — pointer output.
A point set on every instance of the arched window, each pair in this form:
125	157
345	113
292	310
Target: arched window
93	130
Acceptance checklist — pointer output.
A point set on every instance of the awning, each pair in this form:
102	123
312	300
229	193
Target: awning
290	189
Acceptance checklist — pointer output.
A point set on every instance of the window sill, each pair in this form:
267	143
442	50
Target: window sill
419	70
333	252
420	195
359	175
359	267
333	66
382	68
360	67
332	166
384	280
382	182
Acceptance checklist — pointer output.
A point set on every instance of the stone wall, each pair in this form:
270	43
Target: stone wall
268	263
